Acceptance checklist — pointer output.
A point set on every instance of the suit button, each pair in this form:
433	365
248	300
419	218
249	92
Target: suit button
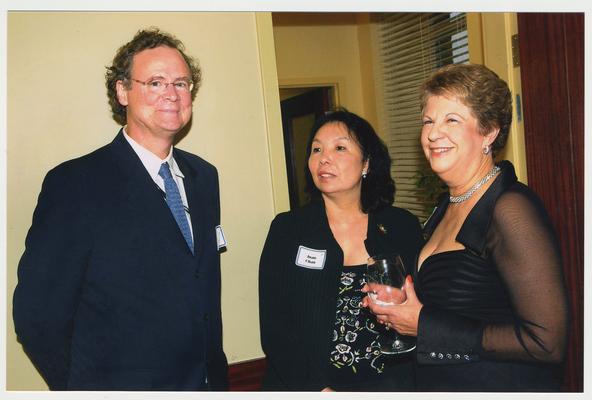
206	317
197	274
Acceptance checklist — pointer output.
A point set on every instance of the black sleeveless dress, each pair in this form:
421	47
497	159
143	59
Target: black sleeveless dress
495	313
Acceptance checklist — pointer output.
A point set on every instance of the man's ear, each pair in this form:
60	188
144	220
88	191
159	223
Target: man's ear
121	93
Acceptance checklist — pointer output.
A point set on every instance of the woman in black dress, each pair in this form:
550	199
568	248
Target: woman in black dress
488	307
314	333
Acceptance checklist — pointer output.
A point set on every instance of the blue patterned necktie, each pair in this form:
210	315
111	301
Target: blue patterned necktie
173	199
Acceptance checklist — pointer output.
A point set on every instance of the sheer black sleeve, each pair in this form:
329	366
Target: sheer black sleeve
523	247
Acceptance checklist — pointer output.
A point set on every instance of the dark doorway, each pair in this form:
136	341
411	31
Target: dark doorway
298	115
552	75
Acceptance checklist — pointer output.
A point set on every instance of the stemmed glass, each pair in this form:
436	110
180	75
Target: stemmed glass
389	270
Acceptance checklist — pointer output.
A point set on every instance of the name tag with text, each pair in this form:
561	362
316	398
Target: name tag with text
220	238
310	258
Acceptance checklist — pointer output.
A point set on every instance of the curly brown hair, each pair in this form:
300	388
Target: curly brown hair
479	88
121	68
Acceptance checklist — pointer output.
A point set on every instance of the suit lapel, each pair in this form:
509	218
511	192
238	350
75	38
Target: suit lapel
143	195
315	228
139	186
315	233
379	237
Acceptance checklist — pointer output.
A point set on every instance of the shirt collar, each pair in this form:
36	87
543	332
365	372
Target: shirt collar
474	230
151	161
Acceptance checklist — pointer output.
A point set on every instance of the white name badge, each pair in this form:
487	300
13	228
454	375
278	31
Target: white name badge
310	258
220	238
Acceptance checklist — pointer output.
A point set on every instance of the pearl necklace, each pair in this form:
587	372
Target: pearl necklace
466	195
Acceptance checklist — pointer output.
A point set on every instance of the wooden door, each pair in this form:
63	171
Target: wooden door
552	75
298	116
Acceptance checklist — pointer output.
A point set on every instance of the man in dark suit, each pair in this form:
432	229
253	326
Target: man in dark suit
119	284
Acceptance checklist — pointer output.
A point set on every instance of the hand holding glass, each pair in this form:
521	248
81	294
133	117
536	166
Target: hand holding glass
390	271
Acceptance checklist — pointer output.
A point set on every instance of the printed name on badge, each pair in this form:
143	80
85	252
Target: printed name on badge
310	258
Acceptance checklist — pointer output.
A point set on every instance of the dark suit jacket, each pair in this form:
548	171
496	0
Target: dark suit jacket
297	305
109	295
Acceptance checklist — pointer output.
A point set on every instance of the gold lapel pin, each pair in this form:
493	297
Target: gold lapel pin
382	229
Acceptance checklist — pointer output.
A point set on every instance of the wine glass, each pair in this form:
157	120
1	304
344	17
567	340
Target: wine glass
389	270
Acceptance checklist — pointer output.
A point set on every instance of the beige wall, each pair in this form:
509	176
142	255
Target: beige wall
497	30
57	110
327	49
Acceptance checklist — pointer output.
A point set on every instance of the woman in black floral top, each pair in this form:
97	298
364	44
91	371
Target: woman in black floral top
313	331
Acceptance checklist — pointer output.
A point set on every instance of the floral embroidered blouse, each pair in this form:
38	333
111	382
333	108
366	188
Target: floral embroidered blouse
355	349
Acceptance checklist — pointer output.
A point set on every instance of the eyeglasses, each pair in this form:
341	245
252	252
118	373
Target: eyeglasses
159	85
